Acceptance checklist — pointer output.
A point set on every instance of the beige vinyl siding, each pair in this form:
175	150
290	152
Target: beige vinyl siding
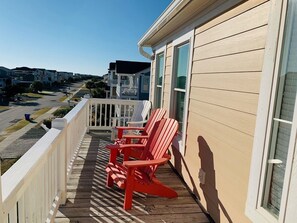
167	77
226	72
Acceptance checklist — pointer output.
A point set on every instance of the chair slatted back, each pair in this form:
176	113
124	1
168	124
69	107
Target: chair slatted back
162	135
156	116
141	111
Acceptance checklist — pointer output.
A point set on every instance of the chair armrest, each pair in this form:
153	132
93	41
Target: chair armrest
122	128
142	163
137	122
129	128
124	146
129	138
115	120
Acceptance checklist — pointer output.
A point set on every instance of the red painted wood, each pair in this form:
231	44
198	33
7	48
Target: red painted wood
139	175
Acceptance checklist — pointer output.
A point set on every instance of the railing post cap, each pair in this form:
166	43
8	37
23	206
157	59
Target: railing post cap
59	123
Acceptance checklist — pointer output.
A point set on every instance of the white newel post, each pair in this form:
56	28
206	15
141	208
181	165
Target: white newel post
1	202
61	123
88	116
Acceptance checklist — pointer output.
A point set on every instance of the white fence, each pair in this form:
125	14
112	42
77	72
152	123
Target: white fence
103	111
35	186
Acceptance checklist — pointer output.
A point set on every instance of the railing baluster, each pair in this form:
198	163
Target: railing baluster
45	166
21	210
105	115
100	119
110	114
96	119
13	215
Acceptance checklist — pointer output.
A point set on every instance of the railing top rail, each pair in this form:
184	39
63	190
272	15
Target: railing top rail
76	110
114	101
16	179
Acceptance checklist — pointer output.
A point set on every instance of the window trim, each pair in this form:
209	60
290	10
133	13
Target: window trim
159	51
263	128
188	37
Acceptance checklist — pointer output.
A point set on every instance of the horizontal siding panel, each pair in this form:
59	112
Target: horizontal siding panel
241	23
244	102
231	138
167	79
240	121
168	61
230	14
166	102
223	165
169	52
243	62
168	71
166	88
251	40
242	82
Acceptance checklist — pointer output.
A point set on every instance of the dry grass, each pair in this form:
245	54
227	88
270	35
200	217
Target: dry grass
6	164
23	123
2	138
63	98
40	112
3	108
33	95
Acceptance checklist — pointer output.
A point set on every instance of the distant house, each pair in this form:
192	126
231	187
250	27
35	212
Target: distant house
5	77
227	71
24	75
129	80
63	76
50	77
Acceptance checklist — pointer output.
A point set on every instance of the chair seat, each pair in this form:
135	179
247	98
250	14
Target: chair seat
118	173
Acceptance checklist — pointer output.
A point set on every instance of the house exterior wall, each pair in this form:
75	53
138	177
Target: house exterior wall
167	77
225	81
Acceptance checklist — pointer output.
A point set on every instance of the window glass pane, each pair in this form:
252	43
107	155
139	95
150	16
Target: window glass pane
283	116
159	79
160	68
182	63
158	97
179	112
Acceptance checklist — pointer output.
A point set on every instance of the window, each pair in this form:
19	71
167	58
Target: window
180	83
180	73
159	79
275	159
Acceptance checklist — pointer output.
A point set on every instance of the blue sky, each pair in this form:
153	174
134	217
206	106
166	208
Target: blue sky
80	36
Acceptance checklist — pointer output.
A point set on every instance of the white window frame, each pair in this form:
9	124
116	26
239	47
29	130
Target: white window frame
188	37
159	51
265	112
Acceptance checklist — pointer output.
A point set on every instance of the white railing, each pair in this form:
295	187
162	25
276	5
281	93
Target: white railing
103	111
129	91
35	186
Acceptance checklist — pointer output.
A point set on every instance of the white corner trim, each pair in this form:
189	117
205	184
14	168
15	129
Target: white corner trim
268	82
159	51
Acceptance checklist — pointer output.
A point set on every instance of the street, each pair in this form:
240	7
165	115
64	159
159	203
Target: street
17	110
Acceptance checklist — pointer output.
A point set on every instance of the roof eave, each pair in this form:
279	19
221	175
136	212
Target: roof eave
168	13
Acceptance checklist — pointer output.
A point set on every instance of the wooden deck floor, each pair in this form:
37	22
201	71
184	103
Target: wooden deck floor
88	200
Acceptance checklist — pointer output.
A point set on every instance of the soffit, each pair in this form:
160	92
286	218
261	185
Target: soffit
175	22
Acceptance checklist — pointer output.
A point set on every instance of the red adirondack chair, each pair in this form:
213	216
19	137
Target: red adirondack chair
139	175
156	116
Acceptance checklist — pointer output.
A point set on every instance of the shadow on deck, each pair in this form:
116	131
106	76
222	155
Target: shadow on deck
88	200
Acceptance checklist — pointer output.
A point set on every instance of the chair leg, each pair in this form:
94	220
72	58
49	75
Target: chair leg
109	181
129	189
128	198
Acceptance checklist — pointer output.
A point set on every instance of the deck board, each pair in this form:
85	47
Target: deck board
89	200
